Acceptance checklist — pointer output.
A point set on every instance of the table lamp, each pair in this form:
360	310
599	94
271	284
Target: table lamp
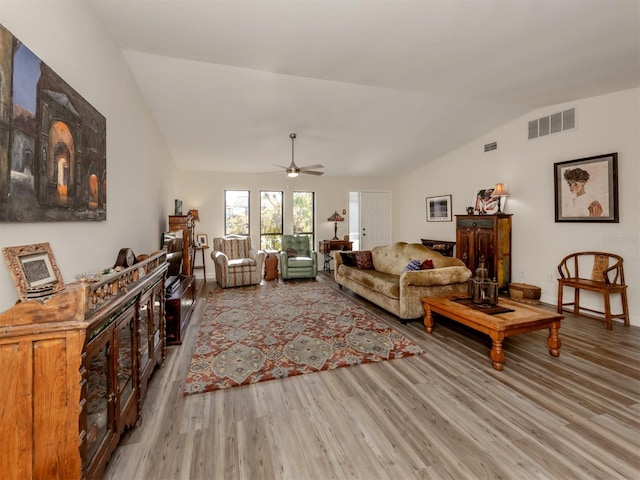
499	192
335	218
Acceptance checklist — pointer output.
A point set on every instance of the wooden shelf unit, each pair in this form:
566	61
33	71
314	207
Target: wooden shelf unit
75	370
185	224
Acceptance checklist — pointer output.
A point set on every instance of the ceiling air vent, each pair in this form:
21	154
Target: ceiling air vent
554	123
490	146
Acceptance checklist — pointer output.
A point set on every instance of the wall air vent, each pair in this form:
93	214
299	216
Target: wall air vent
490	146
554	123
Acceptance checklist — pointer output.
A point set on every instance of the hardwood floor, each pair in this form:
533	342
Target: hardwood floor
442	415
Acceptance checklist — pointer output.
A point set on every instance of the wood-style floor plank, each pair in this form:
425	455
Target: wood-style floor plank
446	414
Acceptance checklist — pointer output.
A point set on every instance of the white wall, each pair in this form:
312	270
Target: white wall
204	191
606	124
139	170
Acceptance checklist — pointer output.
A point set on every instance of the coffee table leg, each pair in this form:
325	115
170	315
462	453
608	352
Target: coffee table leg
428	318
497	353
554	340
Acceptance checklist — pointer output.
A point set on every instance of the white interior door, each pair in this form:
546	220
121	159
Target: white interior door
369	219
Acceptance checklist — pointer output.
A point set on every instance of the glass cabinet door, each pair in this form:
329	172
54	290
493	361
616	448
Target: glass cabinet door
144	319
99	424
126	376
158	332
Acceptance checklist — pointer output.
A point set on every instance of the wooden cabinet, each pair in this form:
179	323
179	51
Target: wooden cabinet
488	237
185	224
180	303
74	365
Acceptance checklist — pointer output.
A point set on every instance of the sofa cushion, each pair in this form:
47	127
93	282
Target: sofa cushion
349	259
364	260
299	262
384	283
393	258
427	264
412	265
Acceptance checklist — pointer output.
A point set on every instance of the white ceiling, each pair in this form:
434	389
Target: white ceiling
370	87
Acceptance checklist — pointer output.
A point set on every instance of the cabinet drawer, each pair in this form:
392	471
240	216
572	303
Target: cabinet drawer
475	222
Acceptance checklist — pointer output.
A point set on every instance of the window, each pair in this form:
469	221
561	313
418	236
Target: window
236	212
304	214
271	221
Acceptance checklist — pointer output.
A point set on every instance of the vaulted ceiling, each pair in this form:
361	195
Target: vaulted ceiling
369	87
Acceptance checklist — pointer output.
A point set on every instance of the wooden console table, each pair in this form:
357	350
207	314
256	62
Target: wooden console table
443	247
328	246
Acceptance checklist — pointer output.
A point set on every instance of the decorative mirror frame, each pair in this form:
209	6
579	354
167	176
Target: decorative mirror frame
33	268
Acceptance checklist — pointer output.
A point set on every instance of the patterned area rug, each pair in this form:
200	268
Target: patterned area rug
253	334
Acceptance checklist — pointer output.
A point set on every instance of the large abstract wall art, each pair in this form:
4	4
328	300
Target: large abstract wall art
53	163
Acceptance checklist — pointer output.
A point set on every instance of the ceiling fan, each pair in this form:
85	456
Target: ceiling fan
293	170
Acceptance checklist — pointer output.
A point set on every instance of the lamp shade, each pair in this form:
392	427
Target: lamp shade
335	218
500	190
194	214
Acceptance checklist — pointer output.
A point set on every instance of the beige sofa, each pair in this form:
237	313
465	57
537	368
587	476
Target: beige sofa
398	291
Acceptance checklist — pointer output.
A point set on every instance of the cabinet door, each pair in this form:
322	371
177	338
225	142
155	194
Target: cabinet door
99	402
464	247
484	240
145	342
158	337
126	370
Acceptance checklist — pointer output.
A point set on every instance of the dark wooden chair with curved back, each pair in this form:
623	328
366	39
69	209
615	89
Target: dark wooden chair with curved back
607	278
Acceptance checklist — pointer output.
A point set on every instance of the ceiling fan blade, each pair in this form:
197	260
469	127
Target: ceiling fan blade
310	167
311	172
279	166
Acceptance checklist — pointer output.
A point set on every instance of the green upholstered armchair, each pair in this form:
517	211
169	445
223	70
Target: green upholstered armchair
297	260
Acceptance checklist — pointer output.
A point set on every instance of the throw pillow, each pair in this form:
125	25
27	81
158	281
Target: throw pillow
412	266
364	260
292	252
427	264
349	259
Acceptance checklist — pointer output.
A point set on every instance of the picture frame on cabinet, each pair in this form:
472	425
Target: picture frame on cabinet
34	270
484	203
439	209
586	189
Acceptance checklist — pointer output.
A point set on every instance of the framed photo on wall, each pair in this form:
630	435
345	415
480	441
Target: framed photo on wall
202	240
586	190
439	209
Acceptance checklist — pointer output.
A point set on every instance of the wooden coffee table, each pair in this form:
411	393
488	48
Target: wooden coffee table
523	319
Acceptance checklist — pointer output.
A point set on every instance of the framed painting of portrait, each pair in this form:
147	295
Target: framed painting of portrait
484	203
586	189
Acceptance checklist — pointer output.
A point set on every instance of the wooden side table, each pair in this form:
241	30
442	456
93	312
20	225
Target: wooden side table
271	265
328	246
201	249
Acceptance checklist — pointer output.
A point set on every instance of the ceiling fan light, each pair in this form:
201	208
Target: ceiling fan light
292	174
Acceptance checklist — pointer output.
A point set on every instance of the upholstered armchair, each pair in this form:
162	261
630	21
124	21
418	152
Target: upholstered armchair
235	262
297	259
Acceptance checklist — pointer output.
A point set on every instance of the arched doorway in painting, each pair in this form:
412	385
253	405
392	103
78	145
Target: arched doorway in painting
61	161
93	191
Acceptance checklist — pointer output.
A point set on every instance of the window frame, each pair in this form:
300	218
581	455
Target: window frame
248	214
312	233
277	244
